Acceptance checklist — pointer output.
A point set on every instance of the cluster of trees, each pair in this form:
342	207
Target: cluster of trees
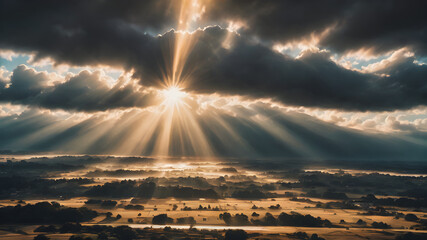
64	228
163	219
120	173
195	182
381	225
26	168
284	219
412	236
186	220
134	207
249	194
329	194
24	187
398	202
201	208
147	190
185	193
236	220
340	183
122	189
275	207
107	204
343	181
337	205
304	236
44	212
242	235
103	232
235	235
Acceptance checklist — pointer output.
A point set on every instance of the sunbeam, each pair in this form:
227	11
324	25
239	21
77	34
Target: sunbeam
173	96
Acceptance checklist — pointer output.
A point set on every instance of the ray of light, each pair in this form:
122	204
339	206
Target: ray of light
40	134
197	138
280	132
189	11
92	130
179	119
138	134
175	126
226	134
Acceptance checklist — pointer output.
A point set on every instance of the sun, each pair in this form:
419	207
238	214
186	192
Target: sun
173	96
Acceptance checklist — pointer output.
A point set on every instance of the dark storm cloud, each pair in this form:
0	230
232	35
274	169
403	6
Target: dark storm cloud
382	26
83	32
279	20
313	80
83	92
115	33
90	31
372	24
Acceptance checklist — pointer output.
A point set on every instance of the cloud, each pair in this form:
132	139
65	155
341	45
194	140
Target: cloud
251	69
352	25
120	35
280	21
381	26
82	32
314	80
85	91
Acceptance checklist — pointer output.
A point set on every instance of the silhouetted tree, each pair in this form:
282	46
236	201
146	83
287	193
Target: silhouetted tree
235	235
411	217
41	237
162	219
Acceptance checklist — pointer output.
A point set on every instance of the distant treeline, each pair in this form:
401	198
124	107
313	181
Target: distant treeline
147	190
44	213
284	219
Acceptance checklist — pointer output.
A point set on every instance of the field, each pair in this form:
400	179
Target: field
282	192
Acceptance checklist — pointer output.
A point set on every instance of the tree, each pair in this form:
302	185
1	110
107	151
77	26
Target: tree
411	217
125	233
316	237
380	225
43	228
74	237
162	219
146	190
236	235
186	220
102	236
41	237
410	236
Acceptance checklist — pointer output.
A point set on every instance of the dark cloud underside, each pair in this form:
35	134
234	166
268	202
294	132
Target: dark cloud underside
83	92
372	24
120	34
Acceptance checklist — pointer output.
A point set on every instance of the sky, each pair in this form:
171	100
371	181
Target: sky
236	78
